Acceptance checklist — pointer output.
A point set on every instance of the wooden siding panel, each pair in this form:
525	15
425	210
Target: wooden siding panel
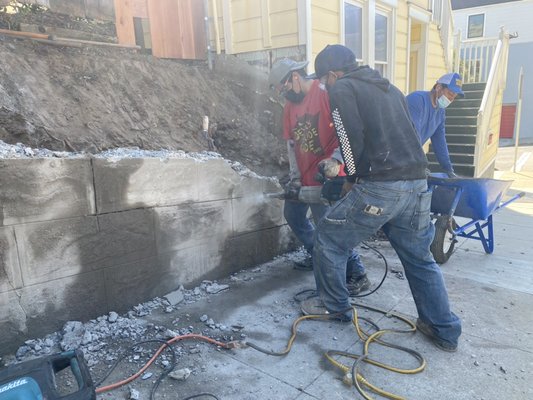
245	9
177	28
124	21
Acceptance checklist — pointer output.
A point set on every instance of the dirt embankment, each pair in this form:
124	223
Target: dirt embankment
93	98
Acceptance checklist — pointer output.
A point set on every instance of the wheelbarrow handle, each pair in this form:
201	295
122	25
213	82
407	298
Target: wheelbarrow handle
514	198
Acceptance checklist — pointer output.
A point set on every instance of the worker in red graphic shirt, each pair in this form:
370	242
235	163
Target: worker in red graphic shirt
311	140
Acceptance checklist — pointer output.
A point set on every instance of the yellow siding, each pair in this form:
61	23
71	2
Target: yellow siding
436	66
248	30
325	25
401	38
488	154
247	24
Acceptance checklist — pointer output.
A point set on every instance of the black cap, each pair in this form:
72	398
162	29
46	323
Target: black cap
334	57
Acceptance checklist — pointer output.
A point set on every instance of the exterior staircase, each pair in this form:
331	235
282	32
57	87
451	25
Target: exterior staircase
473	123
461	130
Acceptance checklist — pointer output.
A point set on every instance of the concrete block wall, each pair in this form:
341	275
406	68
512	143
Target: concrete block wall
80	237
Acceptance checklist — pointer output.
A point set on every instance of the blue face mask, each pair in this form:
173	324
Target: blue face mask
443	101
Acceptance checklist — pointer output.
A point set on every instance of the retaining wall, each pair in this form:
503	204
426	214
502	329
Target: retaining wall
80	237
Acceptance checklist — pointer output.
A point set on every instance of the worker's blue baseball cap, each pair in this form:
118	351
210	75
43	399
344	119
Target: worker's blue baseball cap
454	82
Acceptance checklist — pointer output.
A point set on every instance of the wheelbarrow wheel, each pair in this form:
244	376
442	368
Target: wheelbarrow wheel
444	240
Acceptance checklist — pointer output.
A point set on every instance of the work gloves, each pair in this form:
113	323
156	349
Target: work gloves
329	167
292	189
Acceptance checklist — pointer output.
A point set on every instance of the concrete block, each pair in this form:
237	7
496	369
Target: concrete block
56	249
12	321
40	309
137	282
254	248
10	275
190	266
256	213
125	184
189	225
45	189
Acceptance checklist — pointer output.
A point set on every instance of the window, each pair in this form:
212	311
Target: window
381	53
475	25
353	29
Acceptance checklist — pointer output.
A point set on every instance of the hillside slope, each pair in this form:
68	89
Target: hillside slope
94	98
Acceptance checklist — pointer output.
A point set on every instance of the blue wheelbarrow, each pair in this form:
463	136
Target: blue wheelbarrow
473	198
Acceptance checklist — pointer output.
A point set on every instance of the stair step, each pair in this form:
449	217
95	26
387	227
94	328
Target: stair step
467	159
461	121
464	111
474	86
460	139
461	129
460	148
460	169
468	149
473	94
462	103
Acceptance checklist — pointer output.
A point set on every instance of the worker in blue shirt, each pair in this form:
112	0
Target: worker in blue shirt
428	115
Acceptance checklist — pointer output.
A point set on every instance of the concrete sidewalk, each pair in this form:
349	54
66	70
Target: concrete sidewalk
493	295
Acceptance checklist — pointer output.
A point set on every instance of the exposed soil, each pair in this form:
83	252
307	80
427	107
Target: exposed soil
90	99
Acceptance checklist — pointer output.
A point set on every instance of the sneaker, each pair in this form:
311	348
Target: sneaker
304	265
315	306
427	331
357	285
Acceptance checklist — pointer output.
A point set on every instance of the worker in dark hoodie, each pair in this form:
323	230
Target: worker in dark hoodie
386	188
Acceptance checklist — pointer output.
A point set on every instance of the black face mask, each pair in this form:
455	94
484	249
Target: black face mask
294	97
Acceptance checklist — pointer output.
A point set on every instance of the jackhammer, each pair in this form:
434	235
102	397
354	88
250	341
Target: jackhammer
328	193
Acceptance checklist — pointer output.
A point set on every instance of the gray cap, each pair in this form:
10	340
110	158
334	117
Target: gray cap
282	68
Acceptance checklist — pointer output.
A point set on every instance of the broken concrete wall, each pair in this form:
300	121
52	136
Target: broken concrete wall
80	237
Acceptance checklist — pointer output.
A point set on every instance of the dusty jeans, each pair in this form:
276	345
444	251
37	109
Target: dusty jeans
402	209
295	212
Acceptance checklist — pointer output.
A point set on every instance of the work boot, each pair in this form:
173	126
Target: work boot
304	265
427	331
358	285
315	306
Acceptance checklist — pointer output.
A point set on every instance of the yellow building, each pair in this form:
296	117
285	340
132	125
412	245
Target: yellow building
405	40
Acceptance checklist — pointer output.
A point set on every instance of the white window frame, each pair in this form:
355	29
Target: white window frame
370	8
389	14
468	25
364	28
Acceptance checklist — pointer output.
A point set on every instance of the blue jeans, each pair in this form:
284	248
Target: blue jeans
402	210
295	213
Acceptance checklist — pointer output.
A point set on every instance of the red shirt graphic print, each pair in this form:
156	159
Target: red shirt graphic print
309	124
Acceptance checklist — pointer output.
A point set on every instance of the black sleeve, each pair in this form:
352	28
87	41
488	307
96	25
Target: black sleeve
348	124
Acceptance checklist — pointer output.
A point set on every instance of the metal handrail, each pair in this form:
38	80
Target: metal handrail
442	16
